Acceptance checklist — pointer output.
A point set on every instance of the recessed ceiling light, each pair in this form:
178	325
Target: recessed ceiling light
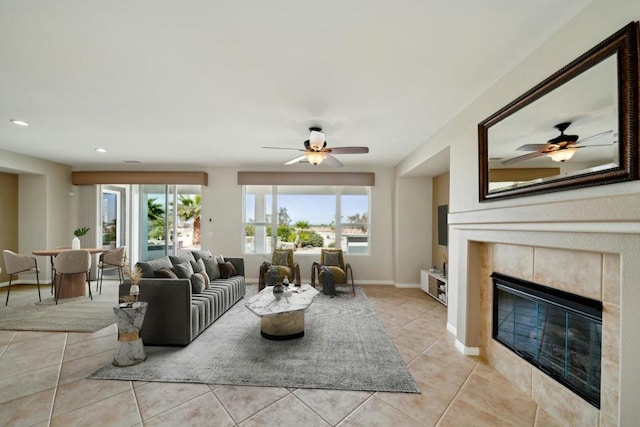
132	161
101	150
19	122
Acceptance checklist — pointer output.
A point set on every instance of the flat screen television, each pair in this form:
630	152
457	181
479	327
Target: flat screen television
443	211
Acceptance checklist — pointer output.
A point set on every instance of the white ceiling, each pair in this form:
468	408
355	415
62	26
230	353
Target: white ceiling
206	83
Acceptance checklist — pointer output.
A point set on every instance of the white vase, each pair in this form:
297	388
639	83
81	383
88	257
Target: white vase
75	243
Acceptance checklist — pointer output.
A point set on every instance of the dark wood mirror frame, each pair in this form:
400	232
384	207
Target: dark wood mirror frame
623	44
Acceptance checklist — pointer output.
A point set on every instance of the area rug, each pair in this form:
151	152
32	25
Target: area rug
345	347
26	313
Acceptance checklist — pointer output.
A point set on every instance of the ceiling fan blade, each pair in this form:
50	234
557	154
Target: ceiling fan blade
594	136
347	150
284	148
301	159
536	147
521	158
332	161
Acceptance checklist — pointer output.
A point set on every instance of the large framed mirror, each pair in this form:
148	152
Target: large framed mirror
577	128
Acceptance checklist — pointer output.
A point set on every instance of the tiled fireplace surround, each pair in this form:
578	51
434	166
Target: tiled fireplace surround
586	259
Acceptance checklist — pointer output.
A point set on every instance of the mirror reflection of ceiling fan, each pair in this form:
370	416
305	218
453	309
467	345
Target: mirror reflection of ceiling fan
559	149
316	150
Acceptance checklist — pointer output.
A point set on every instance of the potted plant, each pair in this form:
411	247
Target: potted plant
78	232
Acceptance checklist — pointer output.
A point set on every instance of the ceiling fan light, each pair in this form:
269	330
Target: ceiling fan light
315	157
316	139
562	155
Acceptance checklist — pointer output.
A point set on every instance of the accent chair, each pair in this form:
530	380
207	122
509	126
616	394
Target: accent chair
333	259
282	260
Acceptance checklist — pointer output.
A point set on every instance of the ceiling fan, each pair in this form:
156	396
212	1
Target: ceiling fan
316	150
559	149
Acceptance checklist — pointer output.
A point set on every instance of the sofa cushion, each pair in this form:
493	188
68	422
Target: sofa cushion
201	254
148	267
197	283
198	266
179	259
211	267
165	273
205	276
183	270
227	270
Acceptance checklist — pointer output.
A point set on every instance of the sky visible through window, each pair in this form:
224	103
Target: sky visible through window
315	209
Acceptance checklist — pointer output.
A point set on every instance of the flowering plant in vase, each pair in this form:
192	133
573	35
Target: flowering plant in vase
133	275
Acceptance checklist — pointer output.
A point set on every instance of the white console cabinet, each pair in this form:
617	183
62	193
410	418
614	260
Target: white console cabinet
434	284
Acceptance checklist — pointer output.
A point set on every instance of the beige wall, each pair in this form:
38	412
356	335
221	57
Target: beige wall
45	211
8	216
413	219
440	197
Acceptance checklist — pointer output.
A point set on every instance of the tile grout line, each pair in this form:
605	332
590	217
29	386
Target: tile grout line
457	393
55	389
135	401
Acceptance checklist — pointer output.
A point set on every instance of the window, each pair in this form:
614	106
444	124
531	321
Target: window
306	218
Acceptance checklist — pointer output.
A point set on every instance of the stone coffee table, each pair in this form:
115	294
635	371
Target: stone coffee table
282	319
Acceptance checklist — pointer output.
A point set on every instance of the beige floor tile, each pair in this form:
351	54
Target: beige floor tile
91	347
14	363
24	384
28	410
288	411
156	398
204	410
6	337
427	407
75	337
242	401
461	413
84	392
43	343
22	336
409	339
375	412
497	397
118	410
77	369
332	405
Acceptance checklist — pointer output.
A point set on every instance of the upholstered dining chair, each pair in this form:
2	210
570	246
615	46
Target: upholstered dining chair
114	258
15	264
72	262
282	260
333	260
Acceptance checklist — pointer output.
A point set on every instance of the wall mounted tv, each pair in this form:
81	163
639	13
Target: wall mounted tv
443	211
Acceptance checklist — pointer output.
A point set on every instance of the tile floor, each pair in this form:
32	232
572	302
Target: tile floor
43	383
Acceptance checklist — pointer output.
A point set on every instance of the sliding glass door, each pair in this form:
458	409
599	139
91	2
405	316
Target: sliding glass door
169	220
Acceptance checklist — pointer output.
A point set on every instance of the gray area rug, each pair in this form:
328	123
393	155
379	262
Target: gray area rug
26	313
345	347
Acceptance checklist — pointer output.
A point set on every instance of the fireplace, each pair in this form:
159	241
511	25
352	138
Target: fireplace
558	332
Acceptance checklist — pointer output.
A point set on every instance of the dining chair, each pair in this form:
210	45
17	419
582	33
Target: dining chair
72	262
53	270
114	258
15	264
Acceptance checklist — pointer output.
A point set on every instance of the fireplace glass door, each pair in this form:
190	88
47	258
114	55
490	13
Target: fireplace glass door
558	339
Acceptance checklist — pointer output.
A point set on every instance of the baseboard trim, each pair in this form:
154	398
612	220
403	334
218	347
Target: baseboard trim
408	285
468	351
452	329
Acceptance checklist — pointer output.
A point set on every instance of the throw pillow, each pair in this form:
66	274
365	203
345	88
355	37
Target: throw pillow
148	267
181	258
211	267
198	266
207	281
201	254
165	273
197	283
184	270
227	270
280	258
219	259
332	258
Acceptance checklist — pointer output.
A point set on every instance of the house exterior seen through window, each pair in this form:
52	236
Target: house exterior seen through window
306	218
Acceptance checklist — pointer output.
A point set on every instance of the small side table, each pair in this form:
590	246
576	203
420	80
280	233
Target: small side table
130	346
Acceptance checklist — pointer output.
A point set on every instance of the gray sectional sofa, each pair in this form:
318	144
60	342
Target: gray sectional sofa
181	306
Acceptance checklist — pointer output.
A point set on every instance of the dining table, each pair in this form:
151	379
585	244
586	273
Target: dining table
71	285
